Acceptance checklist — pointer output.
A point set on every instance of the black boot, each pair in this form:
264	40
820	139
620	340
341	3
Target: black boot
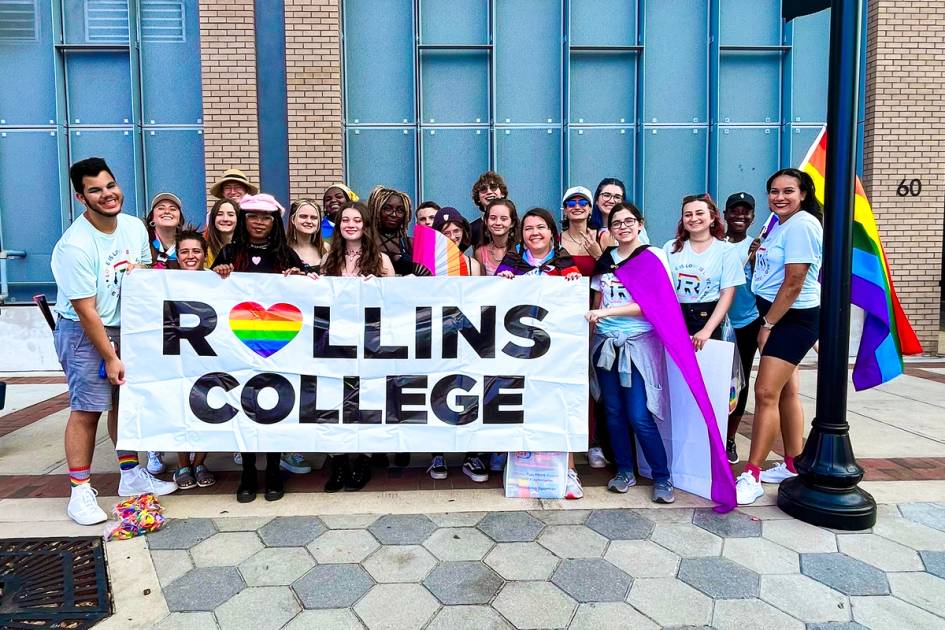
360	473
246	492
274	485
339	469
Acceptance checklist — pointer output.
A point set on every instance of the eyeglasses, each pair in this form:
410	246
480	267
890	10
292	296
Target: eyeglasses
607	196
625	223
397	212
258	216
574	203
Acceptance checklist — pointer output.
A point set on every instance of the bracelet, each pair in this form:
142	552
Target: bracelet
766	324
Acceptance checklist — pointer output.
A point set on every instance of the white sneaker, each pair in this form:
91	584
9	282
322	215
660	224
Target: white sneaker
595	458
156	462
747	489
295	464
83	508
573	489
139	481
777	473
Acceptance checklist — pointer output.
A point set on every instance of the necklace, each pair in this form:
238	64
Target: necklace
581	244
353	254
494	257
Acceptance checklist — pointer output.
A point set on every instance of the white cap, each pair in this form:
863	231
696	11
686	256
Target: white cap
578	191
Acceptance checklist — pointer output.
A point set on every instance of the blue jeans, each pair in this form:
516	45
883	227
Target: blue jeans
625	411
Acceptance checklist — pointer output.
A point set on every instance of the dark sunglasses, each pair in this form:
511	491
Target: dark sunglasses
574	203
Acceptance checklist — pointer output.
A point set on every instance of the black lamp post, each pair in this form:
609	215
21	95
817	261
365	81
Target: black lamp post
825	491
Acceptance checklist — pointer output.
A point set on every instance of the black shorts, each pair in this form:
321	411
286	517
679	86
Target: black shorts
794	334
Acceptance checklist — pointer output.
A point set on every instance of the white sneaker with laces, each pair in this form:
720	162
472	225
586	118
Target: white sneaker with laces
747	489
573	489
777	473
595	458
139	481
156	462
83	508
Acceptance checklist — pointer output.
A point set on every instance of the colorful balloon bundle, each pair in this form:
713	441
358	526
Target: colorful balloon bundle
136	516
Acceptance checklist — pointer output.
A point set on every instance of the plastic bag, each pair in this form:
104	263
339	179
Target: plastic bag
739	378
536	475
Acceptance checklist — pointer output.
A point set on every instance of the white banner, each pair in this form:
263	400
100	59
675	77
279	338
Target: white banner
263	363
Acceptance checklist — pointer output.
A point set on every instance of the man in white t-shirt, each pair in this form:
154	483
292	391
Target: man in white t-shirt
89	263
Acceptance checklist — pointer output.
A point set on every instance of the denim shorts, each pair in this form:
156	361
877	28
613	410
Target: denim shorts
82	363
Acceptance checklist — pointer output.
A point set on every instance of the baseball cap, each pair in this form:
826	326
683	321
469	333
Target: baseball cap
740	199
578	191
446	215
166	196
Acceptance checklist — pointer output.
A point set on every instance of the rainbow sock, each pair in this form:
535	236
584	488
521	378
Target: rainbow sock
127	460
79	476
789	462
754	470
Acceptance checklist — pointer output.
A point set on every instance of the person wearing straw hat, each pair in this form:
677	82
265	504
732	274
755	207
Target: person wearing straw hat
233	185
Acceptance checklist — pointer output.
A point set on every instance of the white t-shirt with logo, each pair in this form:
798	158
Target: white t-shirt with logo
798	240
87	262
701	277
613	293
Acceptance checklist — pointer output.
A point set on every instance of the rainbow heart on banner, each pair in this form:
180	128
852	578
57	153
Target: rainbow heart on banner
265	331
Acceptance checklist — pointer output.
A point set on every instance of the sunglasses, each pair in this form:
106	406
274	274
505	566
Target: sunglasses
576	203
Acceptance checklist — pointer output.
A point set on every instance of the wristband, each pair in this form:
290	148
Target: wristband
766	324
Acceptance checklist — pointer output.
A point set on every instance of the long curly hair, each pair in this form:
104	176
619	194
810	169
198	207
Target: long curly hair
379	196
489	178
371	262
716	229
276	244
215	240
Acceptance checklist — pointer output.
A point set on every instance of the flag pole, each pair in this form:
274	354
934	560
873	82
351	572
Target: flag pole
825	492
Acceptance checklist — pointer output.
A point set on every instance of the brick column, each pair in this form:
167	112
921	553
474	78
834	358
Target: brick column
905	139
313	77
228	78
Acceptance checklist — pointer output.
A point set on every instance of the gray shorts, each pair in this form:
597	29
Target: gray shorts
82	363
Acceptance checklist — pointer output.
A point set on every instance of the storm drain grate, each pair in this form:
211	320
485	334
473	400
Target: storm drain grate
53	583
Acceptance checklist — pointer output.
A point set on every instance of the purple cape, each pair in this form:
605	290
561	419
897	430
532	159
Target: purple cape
644	276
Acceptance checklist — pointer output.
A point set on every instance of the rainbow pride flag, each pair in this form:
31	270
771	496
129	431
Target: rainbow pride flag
265	331
437	253
887	334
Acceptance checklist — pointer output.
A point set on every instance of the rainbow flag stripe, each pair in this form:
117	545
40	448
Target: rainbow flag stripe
437	253
265	331
887	334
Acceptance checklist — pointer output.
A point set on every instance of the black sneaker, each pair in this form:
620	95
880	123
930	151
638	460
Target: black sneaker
359	475
731	451
475	470
437	469
338	473
401	460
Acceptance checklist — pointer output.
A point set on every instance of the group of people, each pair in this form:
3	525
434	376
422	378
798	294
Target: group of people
762	293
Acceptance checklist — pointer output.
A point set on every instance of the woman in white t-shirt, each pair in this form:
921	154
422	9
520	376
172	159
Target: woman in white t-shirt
705	269
787	289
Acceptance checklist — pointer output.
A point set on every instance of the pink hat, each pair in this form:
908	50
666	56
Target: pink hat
261	203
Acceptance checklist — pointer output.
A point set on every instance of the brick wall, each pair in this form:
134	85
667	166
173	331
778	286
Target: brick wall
228	78
313	78
905	139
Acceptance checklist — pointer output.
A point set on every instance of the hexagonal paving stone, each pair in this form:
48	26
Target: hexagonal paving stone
720	578
342	545
761	555
934	562
832	625
291	531
458	543
463	583
561	517
738	614
534	605
686	540
402	529
522	561
620	524
929	514
187	621
333	618
642	558
276	566
468	618
799	536
400	563
225	550
573	541
845	574
240	523
592	580
610	615
182	533
511	526
170	564
203	589
880	552
259	608
920	589
456	519
332	586
396	607
734	524
669	602
347	521
910	533
804	598
891	612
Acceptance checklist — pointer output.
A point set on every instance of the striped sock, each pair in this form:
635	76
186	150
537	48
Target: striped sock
127	460
79	476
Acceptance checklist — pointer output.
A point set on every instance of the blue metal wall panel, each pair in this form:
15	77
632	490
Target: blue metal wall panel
750	87
603	87
86	75
811	45
450	157
385	157
454	21
750	22
528	61
676	62
747	157
675	167
174	163
601	152
455	86
603	22
530	162
171	59
33	101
